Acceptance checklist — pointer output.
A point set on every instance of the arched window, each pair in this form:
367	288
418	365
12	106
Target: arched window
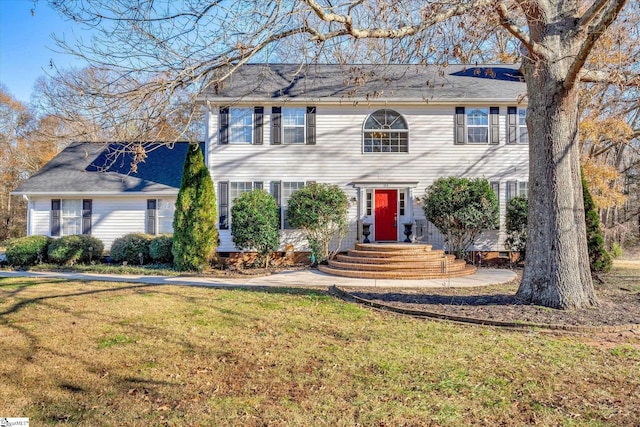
386	131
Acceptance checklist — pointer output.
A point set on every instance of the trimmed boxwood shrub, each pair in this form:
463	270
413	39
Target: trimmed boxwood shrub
69	250
26	251
131	247
160	249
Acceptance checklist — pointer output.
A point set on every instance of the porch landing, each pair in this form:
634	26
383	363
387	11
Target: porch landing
397	261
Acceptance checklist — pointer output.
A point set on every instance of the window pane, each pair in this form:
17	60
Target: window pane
478	134
478	117
386	142
165	225
524	135
293	116
385	119
237	188
522	116
294	135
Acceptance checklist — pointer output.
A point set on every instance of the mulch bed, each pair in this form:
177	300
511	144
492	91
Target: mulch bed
618	305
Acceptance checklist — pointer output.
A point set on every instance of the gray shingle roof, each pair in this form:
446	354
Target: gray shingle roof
105	168
399	83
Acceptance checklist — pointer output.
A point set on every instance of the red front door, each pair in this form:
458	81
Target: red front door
386	219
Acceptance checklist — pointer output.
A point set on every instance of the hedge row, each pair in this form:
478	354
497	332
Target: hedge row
133	248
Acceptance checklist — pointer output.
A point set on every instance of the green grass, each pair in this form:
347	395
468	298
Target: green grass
96	353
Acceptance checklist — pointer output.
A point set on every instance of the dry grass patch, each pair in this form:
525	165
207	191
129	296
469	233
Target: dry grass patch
99	353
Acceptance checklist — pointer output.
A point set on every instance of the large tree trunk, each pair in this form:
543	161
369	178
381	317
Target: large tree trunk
557	272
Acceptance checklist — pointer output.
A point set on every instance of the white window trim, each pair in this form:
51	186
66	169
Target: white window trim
303	126
365	130
520	126
231	126
159	216
467	126
64	217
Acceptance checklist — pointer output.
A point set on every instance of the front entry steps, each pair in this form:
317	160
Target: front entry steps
397	261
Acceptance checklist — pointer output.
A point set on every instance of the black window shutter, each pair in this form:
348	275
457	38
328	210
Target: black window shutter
459	128
223	197
224	125
276	192
311	125
55	217
276	125
258	185
152	206
512	124
494	125
258	119
86	216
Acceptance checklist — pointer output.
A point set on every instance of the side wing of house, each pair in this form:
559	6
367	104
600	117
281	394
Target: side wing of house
384	156
106	218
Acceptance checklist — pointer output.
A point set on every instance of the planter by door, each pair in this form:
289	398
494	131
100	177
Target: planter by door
386	215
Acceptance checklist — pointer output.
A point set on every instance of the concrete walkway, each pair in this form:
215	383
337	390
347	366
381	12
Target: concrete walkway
297	278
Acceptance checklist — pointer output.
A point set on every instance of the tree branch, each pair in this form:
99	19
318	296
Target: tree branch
403	31
605	77
507	23
599	16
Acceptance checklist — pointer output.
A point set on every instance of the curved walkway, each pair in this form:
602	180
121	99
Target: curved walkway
291	278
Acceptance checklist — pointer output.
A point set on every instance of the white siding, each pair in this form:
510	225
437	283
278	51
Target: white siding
114	217
111	217
337	158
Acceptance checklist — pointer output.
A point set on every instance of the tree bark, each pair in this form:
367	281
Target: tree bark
557	272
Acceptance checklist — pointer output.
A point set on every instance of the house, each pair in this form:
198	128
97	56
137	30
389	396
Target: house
90	188
382	133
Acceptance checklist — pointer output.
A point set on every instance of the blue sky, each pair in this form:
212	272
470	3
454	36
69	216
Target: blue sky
26	46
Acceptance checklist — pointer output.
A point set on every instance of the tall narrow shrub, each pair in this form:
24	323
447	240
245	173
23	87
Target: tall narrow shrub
195	235
516	225
599	259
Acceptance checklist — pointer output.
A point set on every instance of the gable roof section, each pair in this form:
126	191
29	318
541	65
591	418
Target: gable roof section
105	168
370	82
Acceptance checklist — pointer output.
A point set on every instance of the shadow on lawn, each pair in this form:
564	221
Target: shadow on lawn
435	299
16	289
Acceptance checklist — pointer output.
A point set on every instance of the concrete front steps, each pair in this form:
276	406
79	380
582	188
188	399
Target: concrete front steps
397	261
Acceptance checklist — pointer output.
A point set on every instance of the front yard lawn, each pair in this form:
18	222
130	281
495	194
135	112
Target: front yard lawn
95	353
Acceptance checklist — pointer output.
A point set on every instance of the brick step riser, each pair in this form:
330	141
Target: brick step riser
394	259
408	247
415	267
395	275
398	254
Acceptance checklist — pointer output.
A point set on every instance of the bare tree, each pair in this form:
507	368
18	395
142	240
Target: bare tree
21	154
197	42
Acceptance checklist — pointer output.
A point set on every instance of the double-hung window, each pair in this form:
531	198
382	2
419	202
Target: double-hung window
288	188
517	188
517	123
160	214
477	125
293	125
227	193
70	216
240	125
